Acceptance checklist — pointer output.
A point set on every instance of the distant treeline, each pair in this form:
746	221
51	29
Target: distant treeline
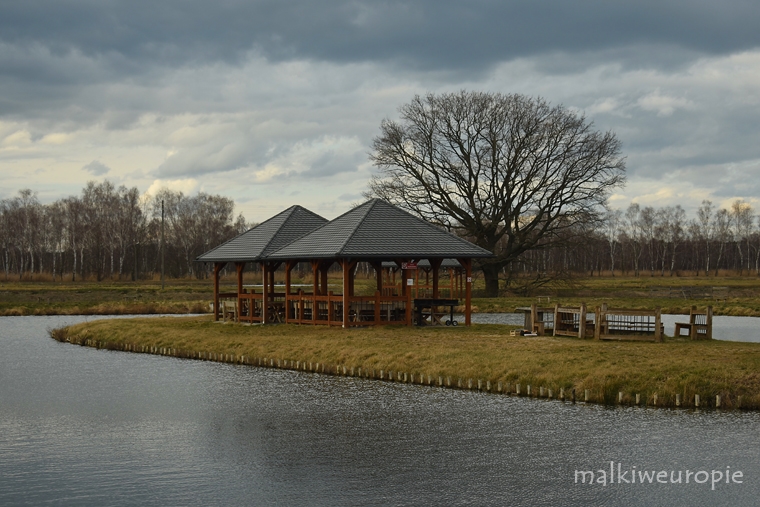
657	242
112	233
115	233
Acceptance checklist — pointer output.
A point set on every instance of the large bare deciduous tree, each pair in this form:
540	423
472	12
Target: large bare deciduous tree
510	172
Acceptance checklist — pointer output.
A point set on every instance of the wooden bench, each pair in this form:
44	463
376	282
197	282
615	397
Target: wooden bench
699	326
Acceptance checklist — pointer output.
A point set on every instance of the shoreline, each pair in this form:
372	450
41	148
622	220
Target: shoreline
361	357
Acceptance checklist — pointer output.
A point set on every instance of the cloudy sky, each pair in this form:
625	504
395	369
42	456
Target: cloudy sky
276	102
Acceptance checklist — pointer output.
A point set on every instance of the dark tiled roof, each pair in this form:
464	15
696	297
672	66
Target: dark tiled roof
378	230
267	237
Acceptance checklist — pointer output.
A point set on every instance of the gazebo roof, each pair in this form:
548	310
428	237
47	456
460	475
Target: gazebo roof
378	230
259	241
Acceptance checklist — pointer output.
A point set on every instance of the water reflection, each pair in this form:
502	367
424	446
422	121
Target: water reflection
80	426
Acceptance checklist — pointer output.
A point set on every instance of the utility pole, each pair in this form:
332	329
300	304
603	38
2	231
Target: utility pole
163	246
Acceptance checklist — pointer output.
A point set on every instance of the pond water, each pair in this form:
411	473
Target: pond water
739	329
80	426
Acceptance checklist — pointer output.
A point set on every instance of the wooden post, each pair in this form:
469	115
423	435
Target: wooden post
658	325
406	290
239	269
693	323
323	269
598	324
289	265
556	319
533	317
346	268
709	322
467	264
315	272
264	292
378	274
582	321
378	297
217	268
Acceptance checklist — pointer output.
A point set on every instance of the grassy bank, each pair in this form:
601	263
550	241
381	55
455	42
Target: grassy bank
482	352
104	298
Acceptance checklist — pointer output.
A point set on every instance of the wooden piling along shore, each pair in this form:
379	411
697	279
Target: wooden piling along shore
688	399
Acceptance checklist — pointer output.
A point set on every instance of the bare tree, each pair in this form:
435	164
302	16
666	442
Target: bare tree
648	228
676	217
741	213
612	231
496	166
634	234
706	228
723	234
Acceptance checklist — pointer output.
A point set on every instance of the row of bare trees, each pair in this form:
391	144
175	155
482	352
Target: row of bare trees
655	242
111	233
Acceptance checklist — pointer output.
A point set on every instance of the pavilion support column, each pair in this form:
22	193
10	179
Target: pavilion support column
436	267
467	265
315	271
351	278
217	268
289	265
323	269
239	266
346	289
264	292
378	267
406	290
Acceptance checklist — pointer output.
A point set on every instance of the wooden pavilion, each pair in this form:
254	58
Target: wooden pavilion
374	232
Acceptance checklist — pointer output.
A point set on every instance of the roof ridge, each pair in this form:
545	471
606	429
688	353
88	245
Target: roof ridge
290	209
328	222
264	257
372	203
287	217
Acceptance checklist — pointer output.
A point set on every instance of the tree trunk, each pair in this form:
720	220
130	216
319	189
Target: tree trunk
491	276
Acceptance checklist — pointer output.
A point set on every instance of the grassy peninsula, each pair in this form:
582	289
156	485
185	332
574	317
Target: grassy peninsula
485	352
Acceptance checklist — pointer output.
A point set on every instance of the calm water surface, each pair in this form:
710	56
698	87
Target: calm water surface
80	426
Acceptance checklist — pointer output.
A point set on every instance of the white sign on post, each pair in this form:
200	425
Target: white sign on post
410	281
469	279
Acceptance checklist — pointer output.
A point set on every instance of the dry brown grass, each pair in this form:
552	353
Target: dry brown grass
484	352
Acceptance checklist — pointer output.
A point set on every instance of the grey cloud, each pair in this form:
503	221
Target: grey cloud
96	168
331	163
429	34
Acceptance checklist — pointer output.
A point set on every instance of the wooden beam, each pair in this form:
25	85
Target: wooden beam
217	268
289	265
324	267
264	293
315	272
239	266
378	267
467	265
346	264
